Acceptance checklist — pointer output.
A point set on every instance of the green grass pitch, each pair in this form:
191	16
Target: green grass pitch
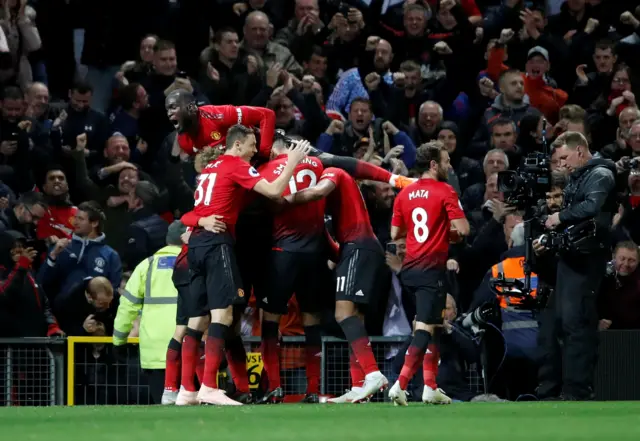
368	422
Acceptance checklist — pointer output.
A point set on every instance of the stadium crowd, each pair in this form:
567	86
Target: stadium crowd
91	184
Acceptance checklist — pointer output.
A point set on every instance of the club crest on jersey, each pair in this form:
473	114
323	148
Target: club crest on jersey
253	172
99	262
240	292
216	136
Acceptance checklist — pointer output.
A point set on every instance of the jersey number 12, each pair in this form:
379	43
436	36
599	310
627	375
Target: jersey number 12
205	188
299	178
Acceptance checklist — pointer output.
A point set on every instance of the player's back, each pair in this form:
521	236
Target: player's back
298	228
426	208
349	214
224	189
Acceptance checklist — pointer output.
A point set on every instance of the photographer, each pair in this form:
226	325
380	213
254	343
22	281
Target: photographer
571	311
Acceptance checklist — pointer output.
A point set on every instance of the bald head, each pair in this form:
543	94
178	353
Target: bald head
257	30
383	56
99	293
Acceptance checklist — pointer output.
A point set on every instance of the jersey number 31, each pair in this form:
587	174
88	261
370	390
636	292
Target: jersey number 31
205	188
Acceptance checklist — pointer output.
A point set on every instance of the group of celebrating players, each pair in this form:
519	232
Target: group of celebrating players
299	185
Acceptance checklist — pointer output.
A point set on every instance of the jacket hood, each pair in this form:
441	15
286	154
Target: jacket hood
84	243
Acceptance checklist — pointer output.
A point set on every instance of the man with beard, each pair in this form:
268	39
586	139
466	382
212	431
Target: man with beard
57	222
351	84
425	212
207	126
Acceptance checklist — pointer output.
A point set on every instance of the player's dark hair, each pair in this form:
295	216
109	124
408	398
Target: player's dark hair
94	212
82	87
431	151
163	45
12	93
237	133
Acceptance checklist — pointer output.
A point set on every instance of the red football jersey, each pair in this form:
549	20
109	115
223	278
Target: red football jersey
425	209
216	120
57	221
298	227
223	189
347	208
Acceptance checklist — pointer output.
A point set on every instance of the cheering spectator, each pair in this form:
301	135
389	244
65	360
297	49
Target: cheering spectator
619	300
69	262
25	215
24	308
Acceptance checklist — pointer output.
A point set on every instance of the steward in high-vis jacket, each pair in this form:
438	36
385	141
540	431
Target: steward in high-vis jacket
151	294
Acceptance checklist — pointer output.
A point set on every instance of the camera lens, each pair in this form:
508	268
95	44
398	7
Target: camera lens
507	181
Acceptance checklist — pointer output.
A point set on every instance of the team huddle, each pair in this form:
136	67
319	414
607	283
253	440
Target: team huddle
294	186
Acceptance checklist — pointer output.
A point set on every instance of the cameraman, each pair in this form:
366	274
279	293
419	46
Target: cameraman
572	312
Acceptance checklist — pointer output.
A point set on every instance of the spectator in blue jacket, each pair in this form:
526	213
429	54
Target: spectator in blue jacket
69	262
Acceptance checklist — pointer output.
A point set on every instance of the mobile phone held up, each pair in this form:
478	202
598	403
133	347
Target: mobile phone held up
392	248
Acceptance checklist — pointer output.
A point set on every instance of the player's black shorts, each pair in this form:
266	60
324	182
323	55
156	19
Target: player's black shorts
215	279
302	274
182	312
428	287
359	274
253	249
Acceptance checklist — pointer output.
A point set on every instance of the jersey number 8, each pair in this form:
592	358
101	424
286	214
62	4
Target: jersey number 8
205	188
420	229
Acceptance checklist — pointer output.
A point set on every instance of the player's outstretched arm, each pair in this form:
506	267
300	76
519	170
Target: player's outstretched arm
266	119
274	190
363	170
317	192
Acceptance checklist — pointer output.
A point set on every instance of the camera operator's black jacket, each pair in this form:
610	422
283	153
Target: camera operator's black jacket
590	194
